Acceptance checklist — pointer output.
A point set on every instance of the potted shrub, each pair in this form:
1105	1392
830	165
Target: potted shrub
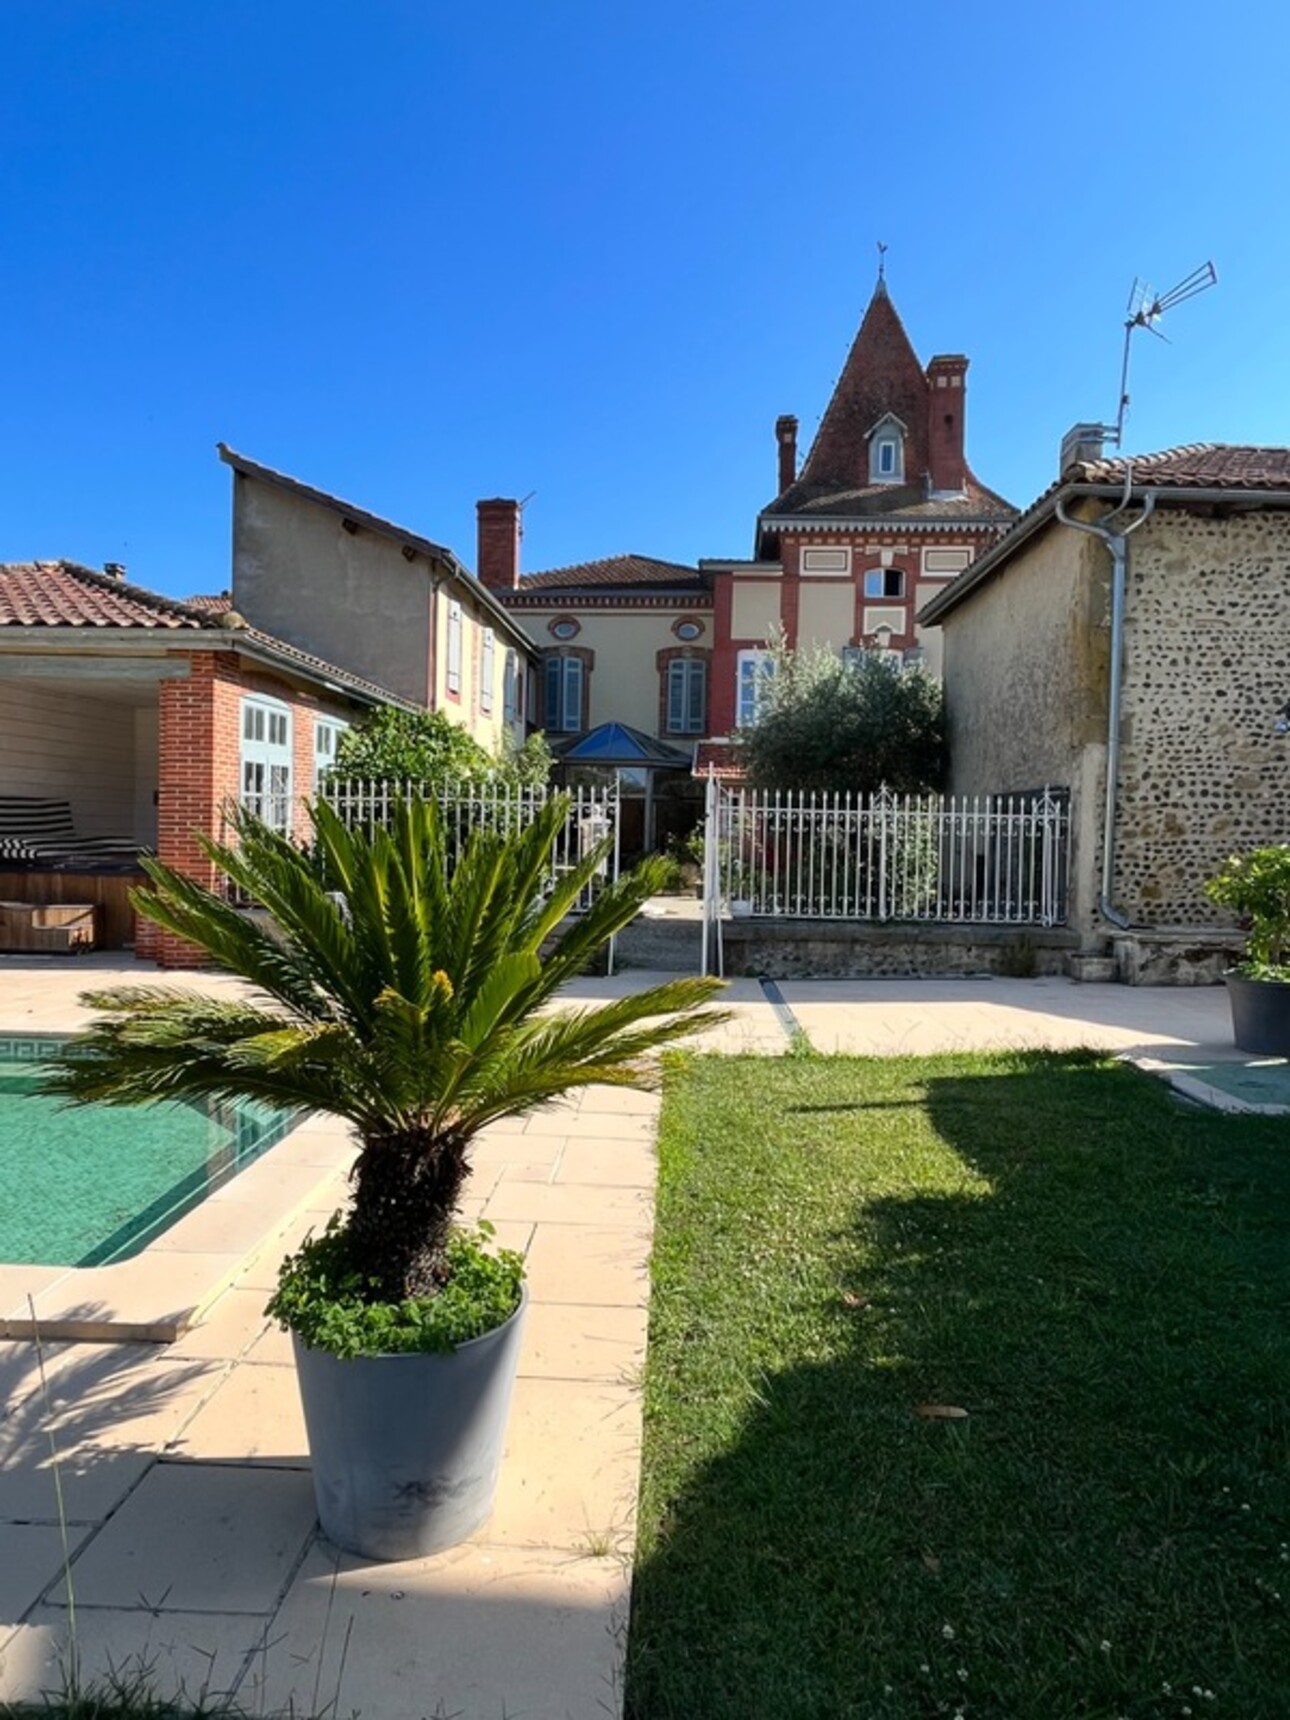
407	996
1256	886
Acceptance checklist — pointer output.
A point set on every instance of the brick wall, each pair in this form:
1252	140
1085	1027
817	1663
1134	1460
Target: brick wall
199	761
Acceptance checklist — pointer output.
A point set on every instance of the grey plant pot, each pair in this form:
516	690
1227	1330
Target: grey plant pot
1260	1015
406	1449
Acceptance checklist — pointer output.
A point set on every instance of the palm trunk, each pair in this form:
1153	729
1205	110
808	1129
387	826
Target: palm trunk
407	1186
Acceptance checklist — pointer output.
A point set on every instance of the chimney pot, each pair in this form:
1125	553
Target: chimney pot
1081	443
786	437
499	531
114	569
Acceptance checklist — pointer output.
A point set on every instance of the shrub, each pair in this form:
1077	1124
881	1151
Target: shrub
1257	887
831	726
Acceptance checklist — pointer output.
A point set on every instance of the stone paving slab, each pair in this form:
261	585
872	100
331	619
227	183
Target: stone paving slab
565	1341
254	1416
589	1264
571	1466
210	1538
31	1556
474	1633
190	1656
93	1482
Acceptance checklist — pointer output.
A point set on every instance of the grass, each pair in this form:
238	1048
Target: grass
849	1249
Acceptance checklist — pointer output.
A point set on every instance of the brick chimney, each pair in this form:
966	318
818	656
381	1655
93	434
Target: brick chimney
498	560
946	410
786	436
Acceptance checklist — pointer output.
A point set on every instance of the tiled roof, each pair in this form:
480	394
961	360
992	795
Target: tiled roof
881	375
638	572
890	501
211	603
1235	467
719	759
1194	465
65	594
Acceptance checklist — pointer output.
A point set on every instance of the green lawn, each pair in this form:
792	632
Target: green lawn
1099	1277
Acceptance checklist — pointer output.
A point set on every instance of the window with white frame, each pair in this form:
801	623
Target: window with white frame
754	670
884	582
327	733
565	681
454	648
511	688
266	761
487	656
687	693
887	452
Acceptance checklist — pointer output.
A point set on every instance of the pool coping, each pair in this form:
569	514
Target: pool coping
157	1294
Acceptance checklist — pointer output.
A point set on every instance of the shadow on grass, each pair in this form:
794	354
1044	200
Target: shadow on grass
1096	1276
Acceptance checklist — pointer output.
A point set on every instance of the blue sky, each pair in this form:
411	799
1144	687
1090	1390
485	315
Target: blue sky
417	253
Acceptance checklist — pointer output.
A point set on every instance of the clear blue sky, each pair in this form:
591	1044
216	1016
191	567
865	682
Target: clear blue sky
416	253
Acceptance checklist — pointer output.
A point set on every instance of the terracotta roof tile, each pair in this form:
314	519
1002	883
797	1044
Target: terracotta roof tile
1193	465
719	759
65	594
639	572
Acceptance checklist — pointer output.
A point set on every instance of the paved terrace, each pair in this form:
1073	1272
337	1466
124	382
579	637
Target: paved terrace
185	1480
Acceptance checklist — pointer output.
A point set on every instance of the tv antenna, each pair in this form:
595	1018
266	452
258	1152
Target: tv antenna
1145	309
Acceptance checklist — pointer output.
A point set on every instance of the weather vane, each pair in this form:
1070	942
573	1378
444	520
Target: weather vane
882	259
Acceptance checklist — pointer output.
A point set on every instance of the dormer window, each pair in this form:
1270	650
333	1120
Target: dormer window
887	451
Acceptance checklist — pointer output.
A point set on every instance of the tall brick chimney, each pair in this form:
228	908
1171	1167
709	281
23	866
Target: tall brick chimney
786	436
946	410
498	560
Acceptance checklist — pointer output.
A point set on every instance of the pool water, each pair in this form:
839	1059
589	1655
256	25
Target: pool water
89	1185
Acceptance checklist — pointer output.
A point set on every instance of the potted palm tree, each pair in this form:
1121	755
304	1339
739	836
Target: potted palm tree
408	995
1256	886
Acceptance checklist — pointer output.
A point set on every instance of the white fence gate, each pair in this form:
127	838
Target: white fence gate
979	860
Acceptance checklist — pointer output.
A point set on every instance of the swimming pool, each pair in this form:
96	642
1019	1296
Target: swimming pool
90	1185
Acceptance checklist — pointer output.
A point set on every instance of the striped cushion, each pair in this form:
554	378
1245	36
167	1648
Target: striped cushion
39	832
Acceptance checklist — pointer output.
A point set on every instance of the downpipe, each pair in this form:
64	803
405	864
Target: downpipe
1116	539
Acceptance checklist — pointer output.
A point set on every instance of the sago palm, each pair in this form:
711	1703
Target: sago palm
395	989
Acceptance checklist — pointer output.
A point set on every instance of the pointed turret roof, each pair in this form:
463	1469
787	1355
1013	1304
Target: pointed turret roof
882	378
882	375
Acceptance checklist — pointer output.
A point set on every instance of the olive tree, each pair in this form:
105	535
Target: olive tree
829	725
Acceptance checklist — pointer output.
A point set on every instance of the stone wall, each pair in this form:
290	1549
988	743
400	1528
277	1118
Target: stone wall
1206	671
824	949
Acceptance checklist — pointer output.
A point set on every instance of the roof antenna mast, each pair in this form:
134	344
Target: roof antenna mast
1145	309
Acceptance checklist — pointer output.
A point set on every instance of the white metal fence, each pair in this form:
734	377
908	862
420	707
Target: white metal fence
470	805
988	859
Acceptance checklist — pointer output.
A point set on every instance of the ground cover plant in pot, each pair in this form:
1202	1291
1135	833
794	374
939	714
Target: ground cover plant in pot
1256	886
411	996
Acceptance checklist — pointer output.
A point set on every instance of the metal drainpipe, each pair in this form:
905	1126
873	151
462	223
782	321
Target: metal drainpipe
1117	542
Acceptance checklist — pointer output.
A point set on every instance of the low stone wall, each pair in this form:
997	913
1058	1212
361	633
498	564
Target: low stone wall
1175	955
832	949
